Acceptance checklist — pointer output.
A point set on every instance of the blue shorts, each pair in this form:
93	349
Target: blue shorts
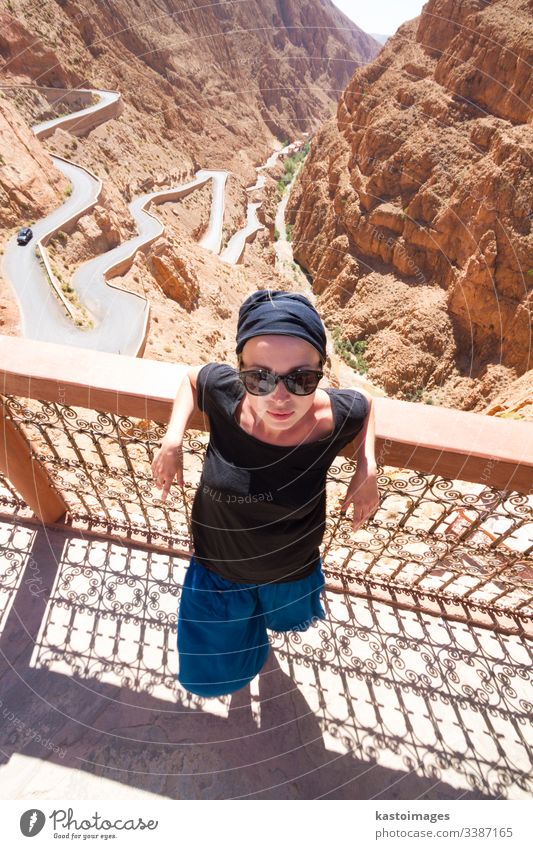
222	637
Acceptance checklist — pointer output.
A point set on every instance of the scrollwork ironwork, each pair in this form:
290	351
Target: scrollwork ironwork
440	538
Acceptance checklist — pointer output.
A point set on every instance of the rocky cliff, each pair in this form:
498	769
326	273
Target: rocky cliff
28	182
204	85
413	211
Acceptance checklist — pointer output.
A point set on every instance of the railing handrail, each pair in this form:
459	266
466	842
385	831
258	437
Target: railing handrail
427	438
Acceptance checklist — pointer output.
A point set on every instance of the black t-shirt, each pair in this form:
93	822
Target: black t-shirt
259	512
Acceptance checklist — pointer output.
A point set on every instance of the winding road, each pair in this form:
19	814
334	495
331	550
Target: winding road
120	317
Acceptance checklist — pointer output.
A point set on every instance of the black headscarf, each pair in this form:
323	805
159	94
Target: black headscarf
285	313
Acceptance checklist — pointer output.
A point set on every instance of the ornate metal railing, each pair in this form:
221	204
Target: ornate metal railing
457	547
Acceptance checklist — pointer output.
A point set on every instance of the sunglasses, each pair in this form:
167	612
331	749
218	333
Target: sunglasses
262	382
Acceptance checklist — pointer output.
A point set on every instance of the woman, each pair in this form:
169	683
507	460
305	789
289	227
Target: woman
258	515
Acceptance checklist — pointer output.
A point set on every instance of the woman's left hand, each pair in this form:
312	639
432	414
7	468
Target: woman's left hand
363	493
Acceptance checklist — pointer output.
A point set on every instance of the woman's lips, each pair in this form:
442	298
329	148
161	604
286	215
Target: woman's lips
280	415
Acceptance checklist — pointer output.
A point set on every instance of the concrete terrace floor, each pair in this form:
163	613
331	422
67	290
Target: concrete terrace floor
374	703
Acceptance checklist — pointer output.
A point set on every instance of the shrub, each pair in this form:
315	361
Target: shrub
351	352
419	396
413	396
290	164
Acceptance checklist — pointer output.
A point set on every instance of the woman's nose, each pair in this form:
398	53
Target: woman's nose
281	390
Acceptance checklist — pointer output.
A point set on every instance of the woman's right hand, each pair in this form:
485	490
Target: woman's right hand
167	465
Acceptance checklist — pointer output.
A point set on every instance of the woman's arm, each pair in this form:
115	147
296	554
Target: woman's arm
365	453
183	407
363	490
168	461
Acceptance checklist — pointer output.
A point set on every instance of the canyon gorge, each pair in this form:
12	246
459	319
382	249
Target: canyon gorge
411	216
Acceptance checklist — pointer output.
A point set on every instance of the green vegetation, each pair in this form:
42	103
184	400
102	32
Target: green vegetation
288	230
298	272
68	191
2	160
276	234
530	272
291	164
69	292
419	396
351	352
60	236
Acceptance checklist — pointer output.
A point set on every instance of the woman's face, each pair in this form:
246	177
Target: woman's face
280	354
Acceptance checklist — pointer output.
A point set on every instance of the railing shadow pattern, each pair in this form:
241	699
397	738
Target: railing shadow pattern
441	700
373	702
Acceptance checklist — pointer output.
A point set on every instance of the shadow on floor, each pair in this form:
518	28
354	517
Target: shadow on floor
374	703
